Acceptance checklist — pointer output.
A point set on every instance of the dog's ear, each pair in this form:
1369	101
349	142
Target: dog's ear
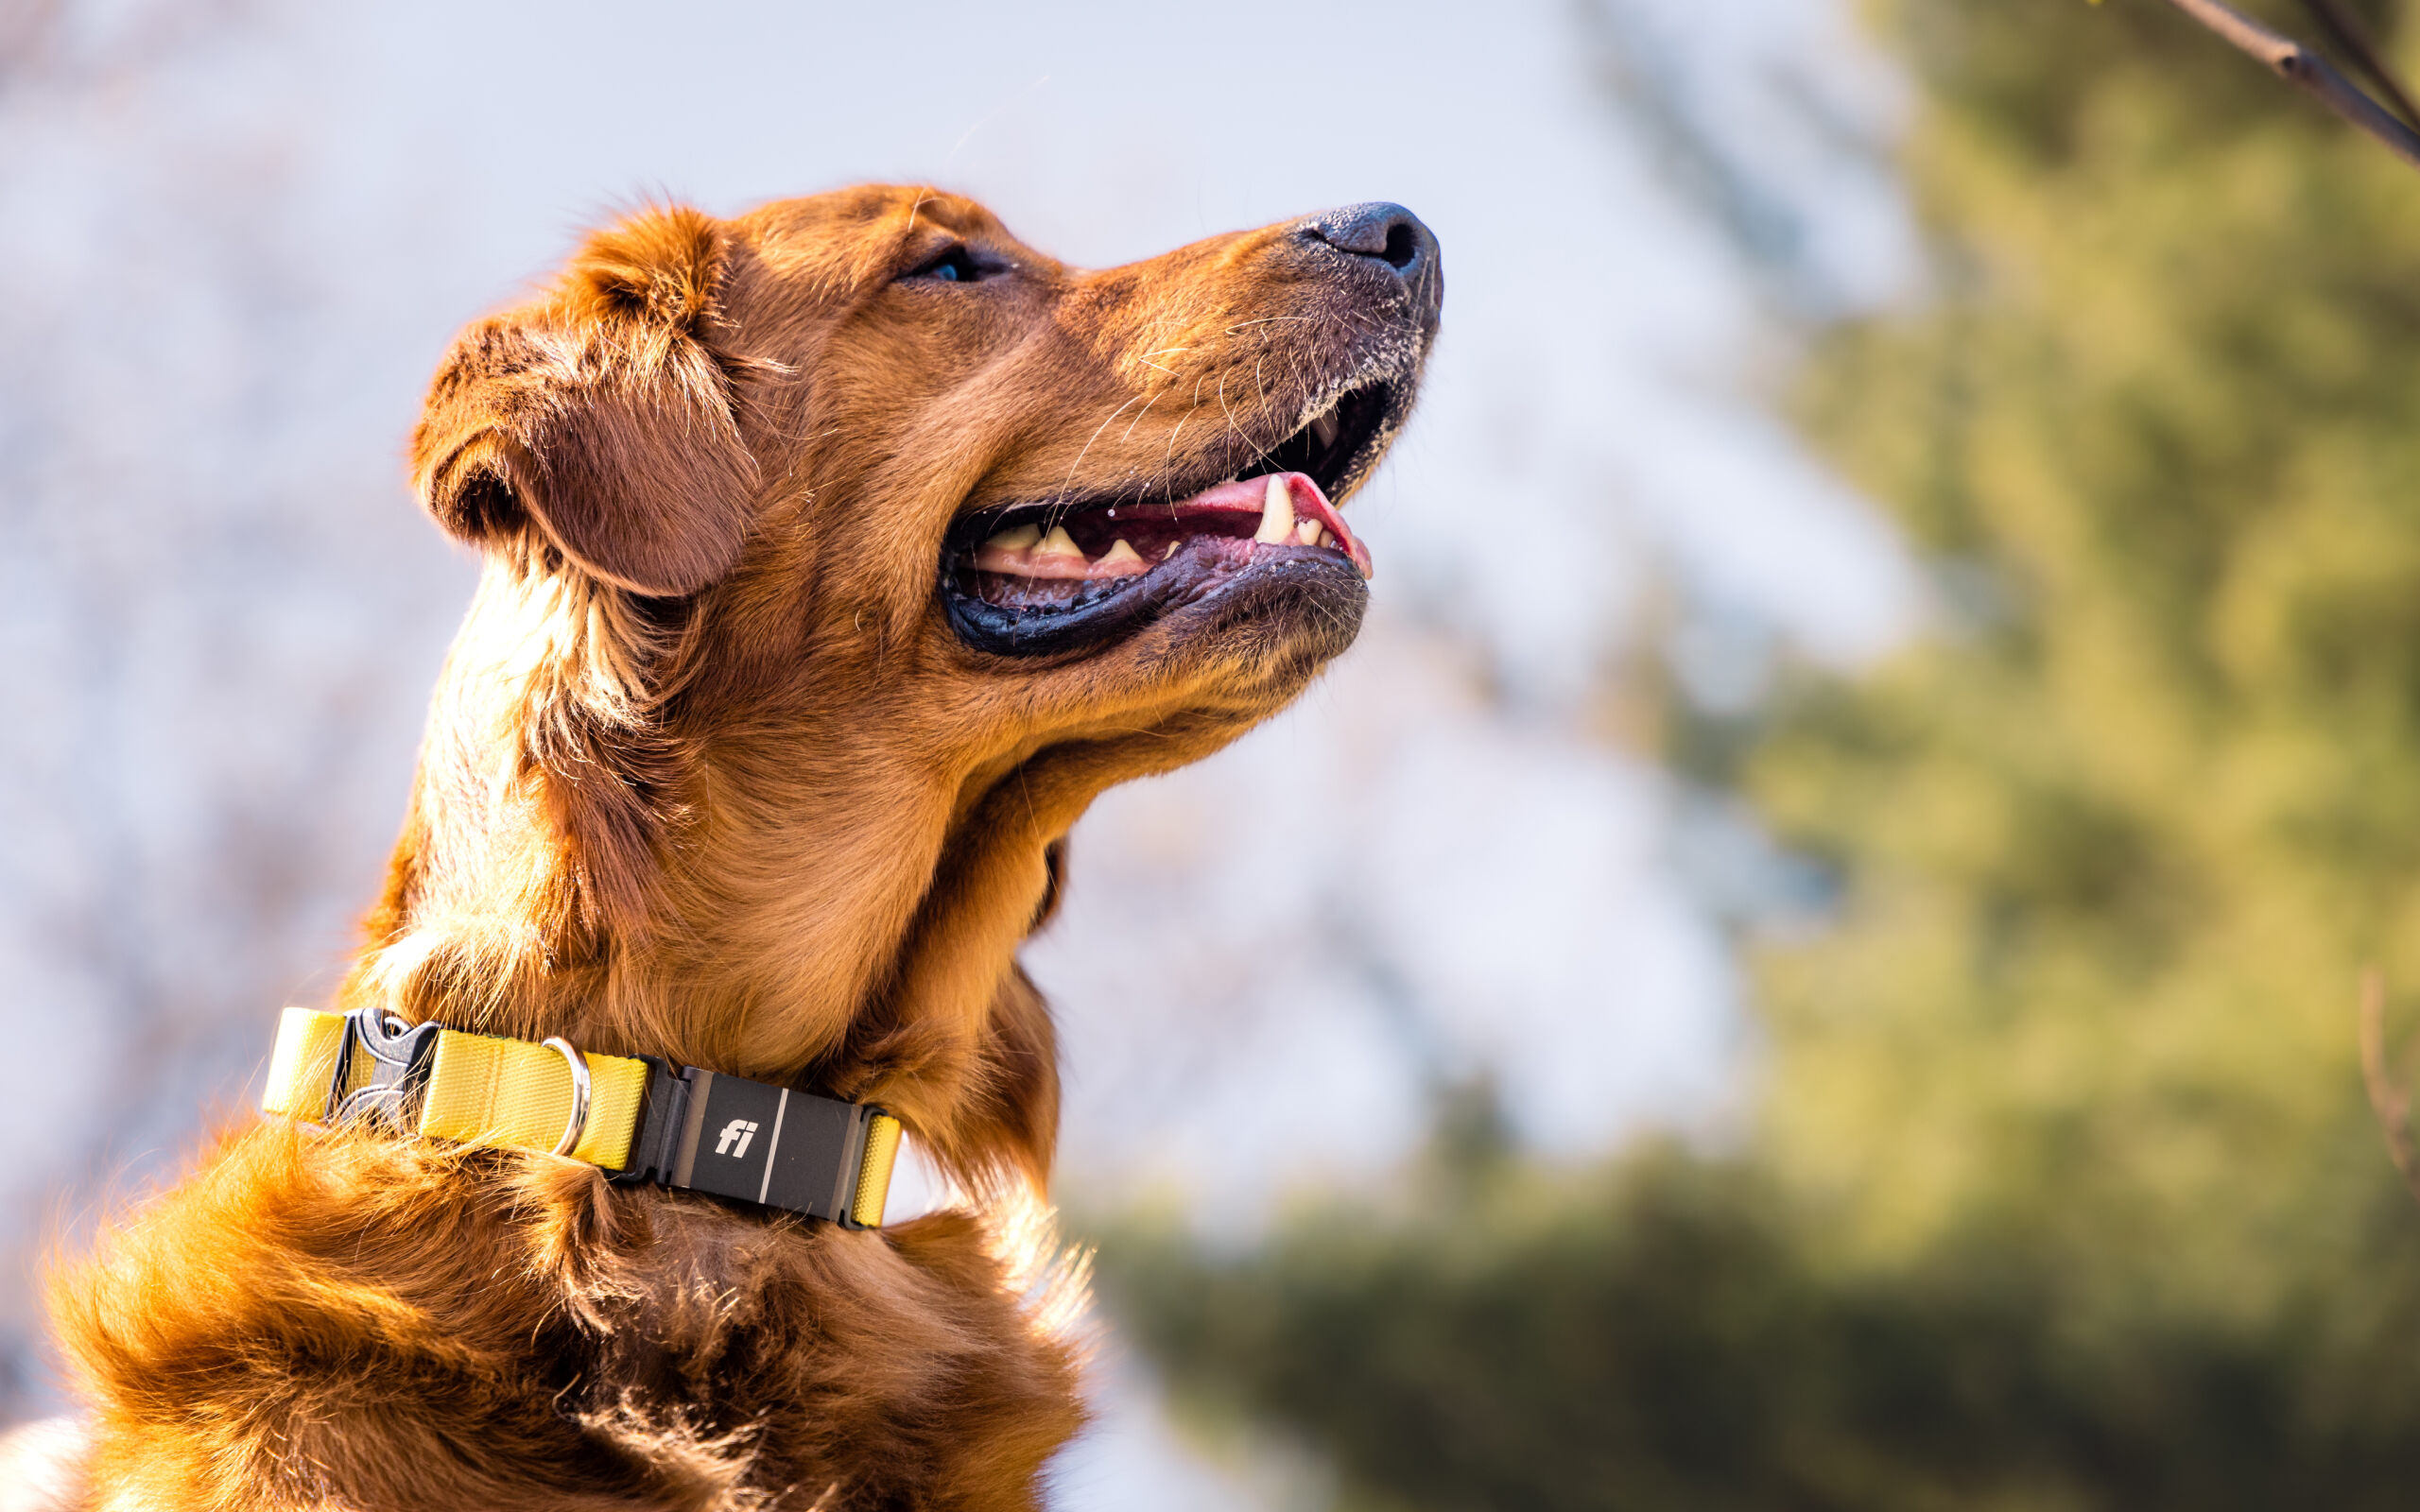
598	417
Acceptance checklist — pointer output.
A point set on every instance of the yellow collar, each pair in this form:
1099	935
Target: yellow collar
639	1120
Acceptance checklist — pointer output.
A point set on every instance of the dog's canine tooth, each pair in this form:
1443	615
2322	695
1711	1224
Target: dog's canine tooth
1016	537
1326	426
1121	552
1058	543
1308	532
1277	514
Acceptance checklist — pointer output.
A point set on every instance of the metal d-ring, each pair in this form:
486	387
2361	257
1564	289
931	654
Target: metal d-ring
578	1064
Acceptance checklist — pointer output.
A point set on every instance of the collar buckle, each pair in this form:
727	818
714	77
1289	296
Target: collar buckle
394	1058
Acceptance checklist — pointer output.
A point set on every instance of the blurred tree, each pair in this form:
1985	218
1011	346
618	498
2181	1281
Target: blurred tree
2064	1194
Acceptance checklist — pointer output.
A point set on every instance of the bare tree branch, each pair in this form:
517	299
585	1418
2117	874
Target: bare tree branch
2392	1105
2299	65
2345	28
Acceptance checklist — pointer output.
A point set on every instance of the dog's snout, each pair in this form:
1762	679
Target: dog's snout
1384	233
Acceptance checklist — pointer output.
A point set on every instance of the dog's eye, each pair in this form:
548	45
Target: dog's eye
957	265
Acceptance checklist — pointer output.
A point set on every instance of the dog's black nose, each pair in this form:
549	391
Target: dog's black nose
1387	234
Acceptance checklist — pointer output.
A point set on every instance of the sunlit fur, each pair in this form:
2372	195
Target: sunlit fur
707	776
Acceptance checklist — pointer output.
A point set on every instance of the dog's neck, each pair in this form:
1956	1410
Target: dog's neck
809	898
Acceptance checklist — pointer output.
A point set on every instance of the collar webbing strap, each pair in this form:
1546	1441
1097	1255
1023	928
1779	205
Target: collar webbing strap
648	1120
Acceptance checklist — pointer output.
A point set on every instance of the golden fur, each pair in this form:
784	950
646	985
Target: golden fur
709	777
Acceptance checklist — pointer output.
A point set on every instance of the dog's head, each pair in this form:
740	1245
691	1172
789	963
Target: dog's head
839	555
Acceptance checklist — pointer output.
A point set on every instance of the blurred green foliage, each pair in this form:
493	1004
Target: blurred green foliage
1675	1334
2062	1193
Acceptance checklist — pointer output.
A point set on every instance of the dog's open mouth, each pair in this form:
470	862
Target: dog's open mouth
1038	579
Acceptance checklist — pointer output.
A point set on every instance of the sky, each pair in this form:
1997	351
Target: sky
256	227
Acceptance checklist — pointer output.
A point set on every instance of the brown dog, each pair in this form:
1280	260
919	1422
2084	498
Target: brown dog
836	557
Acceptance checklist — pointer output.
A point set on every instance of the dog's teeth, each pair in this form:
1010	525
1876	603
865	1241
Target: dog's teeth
1308	532
1058	543
1120	553
1171	551
1277	513
1015	539
1325	428
1326	539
